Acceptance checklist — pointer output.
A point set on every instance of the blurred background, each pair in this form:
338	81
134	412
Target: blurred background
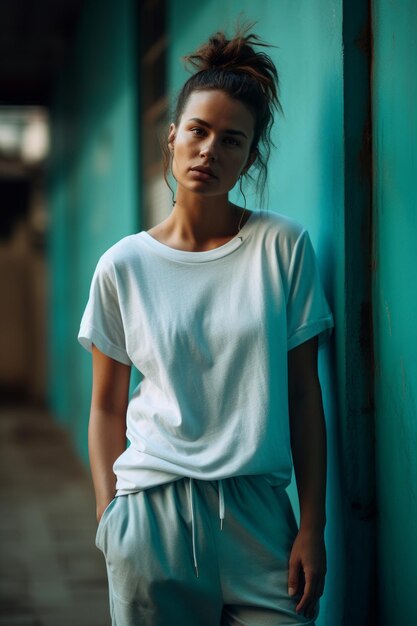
85	90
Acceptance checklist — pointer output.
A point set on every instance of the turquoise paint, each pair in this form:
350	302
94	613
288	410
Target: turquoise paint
306	181
395	300
93	200
356	390
93	192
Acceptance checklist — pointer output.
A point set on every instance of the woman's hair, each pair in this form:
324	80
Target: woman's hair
234	67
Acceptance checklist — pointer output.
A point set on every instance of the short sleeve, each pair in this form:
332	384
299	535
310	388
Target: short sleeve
308	313
102	323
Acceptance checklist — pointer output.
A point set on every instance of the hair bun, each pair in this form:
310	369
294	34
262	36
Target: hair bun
220	53
237	55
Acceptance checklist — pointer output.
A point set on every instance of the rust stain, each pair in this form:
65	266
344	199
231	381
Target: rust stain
365	153
367	353
403	379
365	42
364	39
387	311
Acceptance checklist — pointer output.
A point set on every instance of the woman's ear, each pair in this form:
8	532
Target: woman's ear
250	161
171	137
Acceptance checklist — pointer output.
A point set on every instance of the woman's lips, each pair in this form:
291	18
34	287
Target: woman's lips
202	174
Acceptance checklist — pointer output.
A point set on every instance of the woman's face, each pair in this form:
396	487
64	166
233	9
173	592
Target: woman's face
211	144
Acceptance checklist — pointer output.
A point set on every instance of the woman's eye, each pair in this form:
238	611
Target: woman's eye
197	131
232	141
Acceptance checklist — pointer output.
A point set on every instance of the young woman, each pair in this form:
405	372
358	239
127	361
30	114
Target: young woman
220	308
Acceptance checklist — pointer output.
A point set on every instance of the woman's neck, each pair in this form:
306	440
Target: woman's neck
204	220
200	225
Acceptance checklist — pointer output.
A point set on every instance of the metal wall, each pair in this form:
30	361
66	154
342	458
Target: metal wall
93	189
336	157
395	304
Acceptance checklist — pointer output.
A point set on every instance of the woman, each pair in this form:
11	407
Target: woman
220	308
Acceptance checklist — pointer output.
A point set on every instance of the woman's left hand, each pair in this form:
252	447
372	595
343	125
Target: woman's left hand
308	561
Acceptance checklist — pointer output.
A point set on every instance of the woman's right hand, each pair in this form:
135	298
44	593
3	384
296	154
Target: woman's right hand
101	506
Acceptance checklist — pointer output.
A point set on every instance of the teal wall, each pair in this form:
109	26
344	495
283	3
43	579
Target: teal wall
306	181
356	386
395	300
93	189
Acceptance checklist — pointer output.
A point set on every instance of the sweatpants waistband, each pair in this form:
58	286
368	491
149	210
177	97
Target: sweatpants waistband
168	561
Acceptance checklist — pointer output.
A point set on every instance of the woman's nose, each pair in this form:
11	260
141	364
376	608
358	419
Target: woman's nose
208	150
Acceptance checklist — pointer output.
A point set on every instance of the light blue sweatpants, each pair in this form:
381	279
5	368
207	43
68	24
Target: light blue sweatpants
200	553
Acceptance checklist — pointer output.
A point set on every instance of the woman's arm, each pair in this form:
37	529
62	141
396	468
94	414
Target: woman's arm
107	425
308	445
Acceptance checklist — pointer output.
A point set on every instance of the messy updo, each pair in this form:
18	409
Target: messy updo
234	67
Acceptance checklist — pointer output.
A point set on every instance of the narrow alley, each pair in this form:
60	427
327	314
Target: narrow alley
51	572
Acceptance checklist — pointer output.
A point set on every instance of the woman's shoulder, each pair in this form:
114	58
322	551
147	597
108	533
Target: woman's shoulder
279	225
119	255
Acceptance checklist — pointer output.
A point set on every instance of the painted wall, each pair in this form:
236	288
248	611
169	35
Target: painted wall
315	177
93	189
306	178
395	304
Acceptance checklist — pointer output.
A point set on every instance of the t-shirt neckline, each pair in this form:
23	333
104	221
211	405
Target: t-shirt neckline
198	257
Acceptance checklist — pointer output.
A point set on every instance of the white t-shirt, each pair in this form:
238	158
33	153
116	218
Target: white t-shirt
210	332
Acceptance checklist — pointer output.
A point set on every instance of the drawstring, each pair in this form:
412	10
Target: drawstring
221	503
193	531
193	526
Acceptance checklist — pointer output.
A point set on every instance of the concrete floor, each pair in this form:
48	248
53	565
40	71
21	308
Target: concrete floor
51	573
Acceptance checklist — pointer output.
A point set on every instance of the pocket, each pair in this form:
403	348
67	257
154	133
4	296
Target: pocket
283	498
103	520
